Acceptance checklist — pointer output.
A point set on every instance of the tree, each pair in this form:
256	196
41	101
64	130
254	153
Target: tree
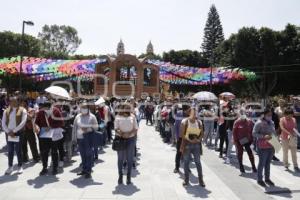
150	56
273	55
59	40
213	35
185	57
10	45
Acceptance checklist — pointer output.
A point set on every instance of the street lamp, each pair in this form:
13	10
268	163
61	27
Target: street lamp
29	23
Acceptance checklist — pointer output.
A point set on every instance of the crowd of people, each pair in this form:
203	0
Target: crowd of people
246	125
58	128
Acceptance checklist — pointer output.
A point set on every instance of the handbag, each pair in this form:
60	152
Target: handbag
119	144
244	141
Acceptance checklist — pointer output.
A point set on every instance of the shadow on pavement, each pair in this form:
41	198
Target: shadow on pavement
197	191
294	173
40	181
126	190
81	182
8	178
279	191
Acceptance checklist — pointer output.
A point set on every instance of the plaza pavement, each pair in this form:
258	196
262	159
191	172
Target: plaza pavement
153	179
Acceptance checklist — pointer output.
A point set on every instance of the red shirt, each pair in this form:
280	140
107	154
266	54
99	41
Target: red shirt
289	125
53	123
242	129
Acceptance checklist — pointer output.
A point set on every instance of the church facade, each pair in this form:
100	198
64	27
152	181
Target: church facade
125	75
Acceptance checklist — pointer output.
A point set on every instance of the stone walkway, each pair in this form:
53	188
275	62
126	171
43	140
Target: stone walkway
153	179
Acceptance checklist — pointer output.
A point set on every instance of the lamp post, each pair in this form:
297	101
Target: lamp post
29	23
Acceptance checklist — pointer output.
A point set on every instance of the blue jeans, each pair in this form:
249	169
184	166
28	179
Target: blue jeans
14	147
208	130
192	149
86	151
127	154
265	158
230	144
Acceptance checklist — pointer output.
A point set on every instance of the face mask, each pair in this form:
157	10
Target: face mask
84	111
48	112
243	117
268	118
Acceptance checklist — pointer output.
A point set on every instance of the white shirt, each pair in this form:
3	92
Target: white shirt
126	124
84	121
12	126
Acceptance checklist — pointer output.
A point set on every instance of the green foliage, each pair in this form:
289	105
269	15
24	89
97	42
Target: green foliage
213	35
185	57
150	56
265	51
62	40
10	45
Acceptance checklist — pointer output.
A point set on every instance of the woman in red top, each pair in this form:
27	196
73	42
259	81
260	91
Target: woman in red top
289	137
242	137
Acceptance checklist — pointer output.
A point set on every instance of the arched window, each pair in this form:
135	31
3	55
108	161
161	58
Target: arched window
127	73
149	77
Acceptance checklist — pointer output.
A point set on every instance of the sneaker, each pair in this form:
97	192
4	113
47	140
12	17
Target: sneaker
61	164
275	159
20	170
128	181
201	182
43	172
81	173
87	176
120	180
9	171
261	183
269	182
227	161
242	170
185	183
54	172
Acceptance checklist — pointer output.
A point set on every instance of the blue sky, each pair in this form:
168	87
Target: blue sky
170	24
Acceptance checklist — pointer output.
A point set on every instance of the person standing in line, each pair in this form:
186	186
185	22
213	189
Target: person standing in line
222	134
231	117
279	110
242	137
289	138
149	109
191	133
68	136
179	116
263	131
126	128
109	120
13	120
48	120
208	123
85	124
296	108
29	137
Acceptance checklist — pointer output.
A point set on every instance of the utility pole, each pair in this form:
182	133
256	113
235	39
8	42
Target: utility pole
30	23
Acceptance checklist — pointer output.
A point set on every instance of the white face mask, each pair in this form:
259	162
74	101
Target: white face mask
48	112
84	111
243	117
